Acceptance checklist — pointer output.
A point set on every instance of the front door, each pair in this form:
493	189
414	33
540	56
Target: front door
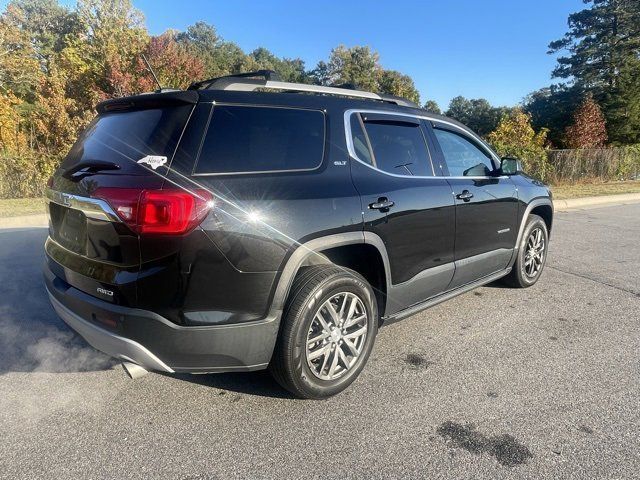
404	203
486	205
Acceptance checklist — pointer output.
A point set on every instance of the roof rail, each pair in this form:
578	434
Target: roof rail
398	100
271	80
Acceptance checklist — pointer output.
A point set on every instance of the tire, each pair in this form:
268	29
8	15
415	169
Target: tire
315	291
522	274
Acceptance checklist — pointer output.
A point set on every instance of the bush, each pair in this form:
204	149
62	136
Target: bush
515	137
22	177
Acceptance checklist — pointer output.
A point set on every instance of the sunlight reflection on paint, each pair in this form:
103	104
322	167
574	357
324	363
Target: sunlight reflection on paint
254	217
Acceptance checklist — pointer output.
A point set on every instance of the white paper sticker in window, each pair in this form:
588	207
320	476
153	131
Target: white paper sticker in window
154	161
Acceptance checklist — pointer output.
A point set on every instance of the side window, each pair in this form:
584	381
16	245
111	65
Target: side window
463	158
399	148
360	142
245	139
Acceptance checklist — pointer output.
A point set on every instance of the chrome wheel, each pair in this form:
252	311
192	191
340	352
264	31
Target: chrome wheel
336	336
534	253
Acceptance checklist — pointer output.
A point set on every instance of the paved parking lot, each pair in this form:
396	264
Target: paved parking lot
497	383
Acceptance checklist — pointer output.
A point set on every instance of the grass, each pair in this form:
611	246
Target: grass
15	207
564	191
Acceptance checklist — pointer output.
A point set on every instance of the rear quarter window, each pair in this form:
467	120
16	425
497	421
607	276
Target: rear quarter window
246	139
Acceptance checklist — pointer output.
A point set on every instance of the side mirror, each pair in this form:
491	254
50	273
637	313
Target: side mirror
510	166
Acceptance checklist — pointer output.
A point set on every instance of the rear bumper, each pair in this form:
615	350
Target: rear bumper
107	342
153	342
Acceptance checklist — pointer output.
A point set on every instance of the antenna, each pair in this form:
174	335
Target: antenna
151	70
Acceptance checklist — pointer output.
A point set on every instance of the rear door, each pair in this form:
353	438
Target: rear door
93	195
405	203
486	204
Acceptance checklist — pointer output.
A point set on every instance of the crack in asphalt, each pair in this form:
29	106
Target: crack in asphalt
587	277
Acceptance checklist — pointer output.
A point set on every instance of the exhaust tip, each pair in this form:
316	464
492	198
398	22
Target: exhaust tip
134	370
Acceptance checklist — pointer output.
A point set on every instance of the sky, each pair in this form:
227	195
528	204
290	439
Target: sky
495	49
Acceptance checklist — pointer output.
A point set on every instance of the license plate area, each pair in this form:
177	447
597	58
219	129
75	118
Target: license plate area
69	227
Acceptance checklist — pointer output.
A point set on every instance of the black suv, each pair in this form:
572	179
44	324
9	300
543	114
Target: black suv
247	223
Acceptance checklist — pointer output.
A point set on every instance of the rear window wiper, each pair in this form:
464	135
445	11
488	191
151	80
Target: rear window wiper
89	167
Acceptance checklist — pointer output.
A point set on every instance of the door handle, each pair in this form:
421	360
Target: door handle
383	204
466	195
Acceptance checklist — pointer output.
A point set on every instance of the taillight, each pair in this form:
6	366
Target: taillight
163	212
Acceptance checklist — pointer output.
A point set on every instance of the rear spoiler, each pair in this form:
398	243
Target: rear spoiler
148	100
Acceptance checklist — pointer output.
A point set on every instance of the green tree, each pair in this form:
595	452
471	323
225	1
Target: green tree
395	83
290	70
588	129
600	41
432	106
358	66
602	48
320	75
202	40
515	137
46	23
477	114
218	56
19	70
622	106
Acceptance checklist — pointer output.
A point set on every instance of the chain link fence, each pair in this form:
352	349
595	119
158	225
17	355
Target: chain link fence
595	164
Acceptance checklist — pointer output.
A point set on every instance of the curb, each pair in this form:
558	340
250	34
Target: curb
41	220
575	203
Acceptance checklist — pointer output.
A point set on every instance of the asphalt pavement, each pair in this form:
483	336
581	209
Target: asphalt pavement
497	383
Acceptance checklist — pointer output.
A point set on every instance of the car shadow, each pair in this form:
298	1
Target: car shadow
259	383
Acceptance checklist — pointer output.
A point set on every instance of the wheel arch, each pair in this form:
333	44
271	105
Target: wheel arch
544	205
545	211
363	252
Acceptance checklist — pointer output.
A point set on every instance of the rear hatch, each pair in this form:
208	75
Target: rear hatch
108	191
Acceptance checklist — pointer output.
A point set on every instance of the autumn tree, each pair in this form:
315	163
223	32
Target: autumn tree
113	37
174	65
57	62
515	137
588	129
13	139
58	118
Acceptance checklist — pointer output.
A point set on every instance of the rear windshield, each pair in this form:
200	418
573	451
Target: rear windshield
243	139
132	135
